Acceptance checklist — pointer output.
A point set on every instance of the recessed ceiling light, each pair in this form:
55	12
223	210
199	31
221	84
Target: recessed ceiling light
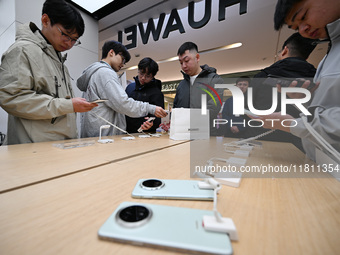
168	60
227	47
131	68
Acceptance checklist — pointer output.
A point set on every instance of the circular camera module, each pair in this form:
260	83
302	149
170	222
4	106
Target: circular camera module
133	216
152	184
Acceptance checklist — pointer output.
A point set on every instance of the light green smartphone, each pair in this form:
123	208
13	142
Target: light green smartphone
171	189
166	227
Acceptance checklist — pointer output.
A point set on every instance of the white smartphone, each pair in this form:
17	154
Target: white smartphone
151	119
171	189
99	101
167	227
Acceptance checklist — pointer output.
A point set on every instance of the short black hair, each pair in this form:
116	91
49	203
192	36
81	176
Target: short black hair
148	65
281	11
117	47
299	46
187	46
244	78
65	14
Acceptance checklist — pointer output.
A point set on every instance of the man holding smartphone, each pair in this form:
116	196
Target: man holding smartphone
100	80
292	63
316	20
146	88
35	85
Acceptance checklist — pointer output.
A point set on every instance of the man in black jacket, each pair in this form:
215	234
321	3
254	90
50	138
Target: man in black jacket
291	64
146	89
196	80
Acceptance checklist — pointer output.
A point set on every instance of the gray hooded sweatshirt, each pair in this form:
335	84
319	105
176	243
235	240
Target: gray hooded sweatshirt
100	81
325	105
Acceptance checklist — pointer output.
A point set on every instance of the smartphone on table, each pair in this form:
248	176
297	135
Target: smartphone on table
167	227
171	189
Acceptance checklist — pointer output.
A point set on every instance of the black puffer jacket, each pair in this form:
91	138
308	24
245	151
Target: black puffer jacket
291	67
188	96
150	93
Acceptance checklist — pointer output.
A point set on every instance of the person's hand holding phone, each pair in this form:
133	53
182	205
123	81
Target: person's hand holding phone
147	124
306	85
279	82
160	112
81	105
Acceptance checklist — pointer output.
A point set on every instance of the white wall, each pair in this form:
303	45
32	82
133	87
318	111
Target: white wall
13	13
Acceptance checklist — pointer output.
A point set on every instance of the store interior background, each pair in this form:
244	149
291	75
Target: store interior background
254	29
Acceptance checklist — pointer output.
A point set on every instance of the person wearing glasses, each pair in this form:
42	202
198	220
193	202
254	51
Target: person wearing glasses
100	81
319	20
146	89
35	86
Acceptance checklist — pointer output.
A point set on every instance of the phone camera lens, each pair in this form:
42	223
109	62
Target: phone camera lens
133	216
152	184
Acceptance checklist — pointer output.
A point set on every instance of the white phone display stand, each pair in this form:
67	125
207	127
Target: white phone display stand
216	223
144	136
127	138
219	224
156	135
122	130
238	152
100	135
231	178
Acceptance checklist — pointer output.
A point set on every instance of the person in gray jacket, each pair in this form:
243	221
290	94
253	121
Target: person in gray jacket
35	86
100	81
316	20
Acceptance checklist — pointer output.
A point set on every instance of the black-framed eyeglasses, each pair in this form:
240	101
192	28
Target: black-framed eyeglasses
68	38
146	76
123	58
